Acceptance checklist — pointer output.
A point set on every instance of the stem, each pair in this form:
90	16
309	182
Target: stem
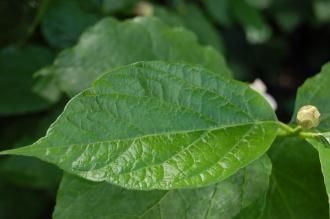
37	19
286	130
309	134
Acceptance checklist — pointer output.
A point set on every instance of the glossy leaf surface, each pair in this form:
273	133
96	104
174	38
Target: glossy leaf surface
155	125
246	190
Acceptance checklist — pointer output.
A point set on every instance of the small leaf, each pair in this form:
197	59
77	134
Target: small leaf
111	43
296	186
246	190
155	125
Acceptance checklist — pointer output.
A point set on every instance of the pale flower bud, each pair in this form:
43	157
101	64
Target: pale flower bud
144	8
308	117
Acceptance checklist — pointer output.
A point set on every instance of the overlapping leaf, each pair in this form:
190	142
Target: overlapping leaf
240	196
112	43
296	187
315	91
155	125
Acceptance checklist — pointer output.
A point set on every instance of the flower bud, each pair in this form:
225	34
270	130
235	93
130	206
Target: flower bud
308	117
144	8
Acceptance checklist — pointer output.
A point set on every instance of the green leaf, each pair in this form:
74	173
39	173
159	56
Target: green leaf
315	91
321	10
260	4
219	10
246	190
296	187
17	65
46	85
155	125
323	147
64	21
112	6
191	17
112	43
196	21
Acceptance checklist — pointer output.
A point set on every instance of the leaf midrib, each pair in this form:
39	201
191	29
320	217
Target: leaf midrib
150	135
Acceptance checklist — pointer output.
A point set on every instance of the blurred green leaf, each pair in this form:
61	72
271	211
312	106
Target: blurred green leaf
259	4
191	17
112	6
195	20
64	21
256	28
111	43
322	10
220	11
17	65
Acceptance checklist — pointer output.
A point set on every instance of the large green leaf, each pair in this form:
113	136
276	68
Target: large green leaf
155	125
296	187
17	65
246	190
315	91
112	43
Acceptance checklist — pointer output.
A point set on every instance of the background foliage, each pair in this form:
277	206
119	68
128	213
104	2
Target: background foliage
282	42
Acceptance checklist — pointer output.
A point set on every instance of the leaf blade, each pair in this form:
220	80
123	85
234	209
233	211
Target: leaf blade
174	126
222	200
